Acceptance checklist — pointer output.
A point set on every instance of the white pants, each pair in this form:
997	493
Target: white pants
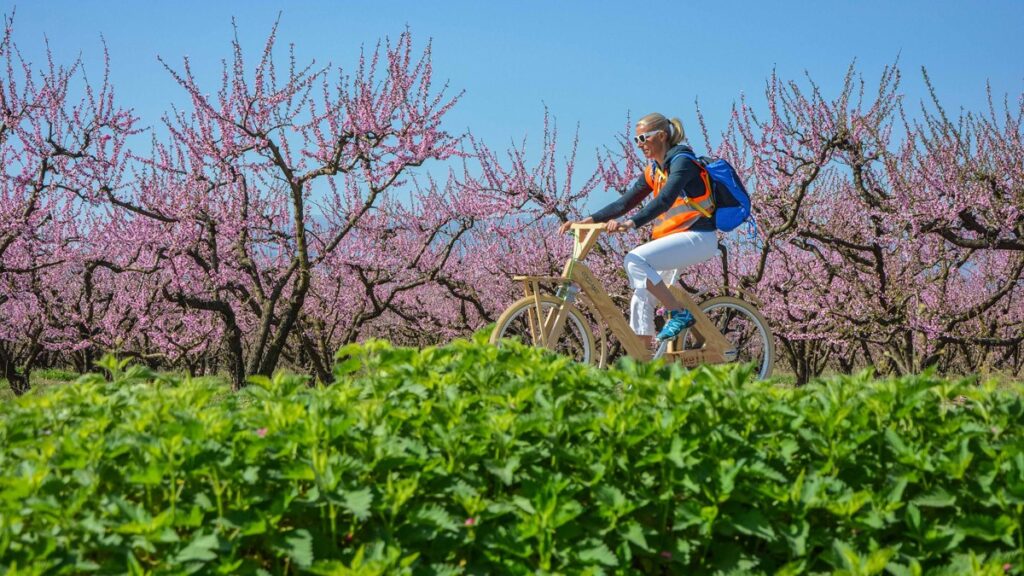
660	261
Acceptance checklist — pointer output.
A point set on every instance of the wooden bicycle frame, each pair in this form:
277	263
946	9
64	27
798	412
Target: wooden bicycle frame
713	344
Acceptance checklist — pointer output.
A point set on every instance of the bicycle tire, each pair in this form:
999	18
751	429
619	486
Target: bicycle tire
575	341
748	350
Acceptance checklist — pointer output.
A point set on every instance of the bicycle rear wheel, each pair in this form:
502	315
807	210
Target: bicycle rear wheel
744	327
520	320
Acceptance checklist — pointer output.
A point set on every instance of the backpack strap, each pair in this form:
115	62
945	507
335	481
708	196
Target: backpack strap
705	176
684	155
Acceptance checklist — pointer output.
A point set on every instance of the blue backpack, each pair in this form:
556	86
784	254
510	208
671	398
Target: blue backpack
732	203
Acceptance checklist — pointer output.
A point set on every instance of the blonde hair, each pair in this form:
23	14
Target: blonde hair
674	127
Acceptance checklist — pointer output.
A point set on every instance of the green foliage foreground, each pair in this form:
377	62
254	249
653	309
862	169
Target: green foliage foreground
478	460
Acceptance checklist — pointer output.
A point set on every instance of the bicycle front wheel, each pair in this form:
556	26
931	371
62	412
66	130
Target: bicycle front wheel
521	321
744	327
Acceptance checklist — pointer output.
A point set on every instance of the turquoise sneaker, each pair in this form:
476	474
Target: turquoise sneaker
678	320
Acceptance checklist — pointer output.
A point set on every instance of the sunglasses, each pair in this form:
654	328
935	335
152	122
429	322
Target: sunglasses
641	138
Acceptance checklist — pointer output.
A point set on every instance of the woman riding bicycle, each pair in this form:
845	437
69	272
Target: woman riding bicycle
683	235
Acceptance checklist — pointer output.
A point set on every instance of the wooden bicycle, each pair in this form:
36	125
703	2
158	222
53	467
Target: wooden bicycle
727	329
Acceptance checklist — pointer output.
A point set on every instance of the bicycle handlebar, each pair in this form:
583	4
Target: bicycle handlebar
599	226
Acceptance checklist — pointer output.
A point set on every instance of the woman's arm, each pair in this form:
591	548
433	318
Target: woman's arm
625	203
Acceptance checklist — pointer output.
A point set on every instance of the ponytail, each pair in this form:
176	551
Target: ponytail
676	134
673	128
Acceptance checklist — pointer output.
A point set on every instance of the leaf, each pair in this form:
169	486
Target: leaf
913	517
151	476
796	537
903	452
988	528
358	502
686	515
937	498
505	473
199	549
325	568
347	366
794	568
86	566
813	487
635	534
253	527
437	517
895	494
598	552
259	381
675	453
298	546
847	556
298	470
957	465
203	502
914	569
787	448
524	504
849	503
134	568
879	559
251	474
167	536
762	470
753	523
567	511
612	503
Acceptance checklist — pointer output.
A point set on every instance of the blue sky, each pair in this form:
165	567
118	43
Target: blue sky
590	62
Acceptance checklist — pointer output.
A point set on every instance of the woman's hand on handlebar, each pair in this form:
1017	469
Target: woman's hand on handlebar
565	227
616	226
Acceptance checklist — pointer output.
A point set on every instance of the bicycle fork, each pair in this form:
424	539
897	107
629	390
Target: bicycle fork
553	323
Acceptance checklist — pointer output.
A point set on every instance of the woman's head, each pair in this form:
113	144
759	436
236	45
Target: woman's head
655	134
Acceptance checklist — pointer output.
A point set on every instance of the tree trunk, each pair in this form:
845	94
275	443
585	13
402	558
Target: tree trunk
18	382
313	358
797	359
233	349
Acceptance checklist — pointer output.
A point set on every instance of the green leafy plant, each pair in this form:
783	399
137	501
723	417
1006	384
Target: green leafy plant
474	459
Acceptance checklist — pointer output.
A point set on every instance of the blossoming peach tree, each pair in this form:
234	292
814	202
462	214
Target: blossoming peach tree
283	213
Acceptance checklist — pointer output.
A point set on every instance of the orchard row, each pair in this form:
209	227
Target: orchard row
270	219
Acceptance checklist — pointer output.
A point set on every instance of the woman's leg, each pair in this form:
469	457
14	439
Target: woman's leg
641	306
650	265
663	294
641	315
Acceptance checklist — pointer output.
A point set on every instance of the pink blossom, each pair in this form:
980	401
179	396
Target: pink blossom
281	213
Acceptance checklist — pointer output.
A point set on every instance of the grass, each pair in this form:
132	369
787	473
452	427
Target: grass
1003	380
56	374
40	380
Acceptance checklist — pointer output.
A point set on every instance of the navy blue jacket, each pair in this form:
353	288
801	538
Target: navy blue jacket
683	178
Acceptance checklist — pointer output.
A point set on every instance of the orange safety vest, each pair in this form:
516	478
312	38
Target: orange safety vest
685	210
